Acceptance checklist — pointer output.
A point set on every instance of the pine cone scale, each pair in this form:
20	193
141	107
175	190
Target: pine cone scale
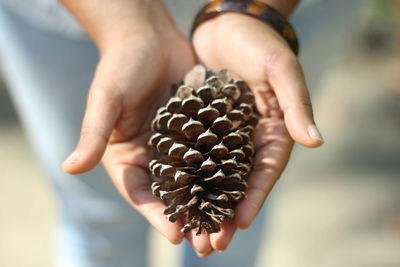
204	151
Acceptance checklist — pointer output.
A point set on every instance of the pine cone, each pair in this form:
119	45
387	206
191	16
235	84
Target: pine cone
204	152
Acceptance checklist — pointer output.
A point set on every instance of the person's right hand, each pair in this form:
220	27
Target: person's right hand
141	56
255	52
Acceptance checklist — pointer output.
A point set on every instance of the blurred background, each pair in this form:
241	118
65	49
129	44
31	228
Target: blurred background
338	205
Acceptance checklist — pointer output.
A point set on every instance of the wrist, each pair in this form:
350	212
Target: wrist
113	23
256	9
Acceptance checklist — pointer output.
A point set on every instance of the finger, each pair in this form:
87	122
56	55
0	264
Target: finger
134	185
102	110
271	158
220	241
286	77
200	243
265	59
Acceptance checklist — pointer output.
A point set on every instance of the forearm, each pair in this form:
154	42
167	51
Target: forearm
286	7
108	22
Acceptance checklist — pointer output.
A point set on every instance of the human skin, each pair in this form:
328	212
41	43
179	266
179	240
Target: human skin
255	52
141	54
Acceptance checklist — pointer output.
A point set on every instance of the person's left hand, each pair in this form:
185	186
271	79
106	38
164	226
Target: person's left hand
256	53
140	57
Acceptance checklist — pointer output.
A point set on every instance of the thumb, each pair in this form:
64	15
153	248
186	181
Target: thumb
264	59
287	79
102	110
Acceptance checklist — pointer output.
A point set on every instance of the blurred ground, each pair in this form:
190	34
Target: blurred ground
340	205
26	206
335	206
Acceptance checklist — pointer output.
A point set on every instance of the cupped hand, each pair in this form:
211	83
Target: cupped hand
132	79
255	52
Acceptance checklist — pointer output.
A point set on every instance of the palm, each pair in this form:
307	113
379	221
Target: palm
273	72
126	157
126	162
128	86
273	146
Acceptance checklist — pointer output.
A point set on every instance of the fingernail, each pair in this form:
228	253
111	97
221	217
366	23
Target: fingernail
72	158
203	255
314	133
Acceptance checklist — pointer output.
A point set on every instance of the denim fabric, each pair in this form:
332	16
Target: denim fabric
48	76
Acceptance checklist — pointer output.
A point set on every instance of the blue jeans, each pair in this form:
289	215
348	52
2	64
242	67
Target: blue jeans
48	75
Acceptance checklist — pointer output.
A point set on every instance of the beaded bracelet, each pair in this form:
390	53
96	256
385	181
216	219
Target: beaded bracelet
251	8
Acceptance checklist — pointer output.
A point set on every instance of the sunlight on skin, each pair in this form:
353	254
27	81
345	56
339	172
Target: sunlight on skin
273	146
265	62
260	56
272	154
127	163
